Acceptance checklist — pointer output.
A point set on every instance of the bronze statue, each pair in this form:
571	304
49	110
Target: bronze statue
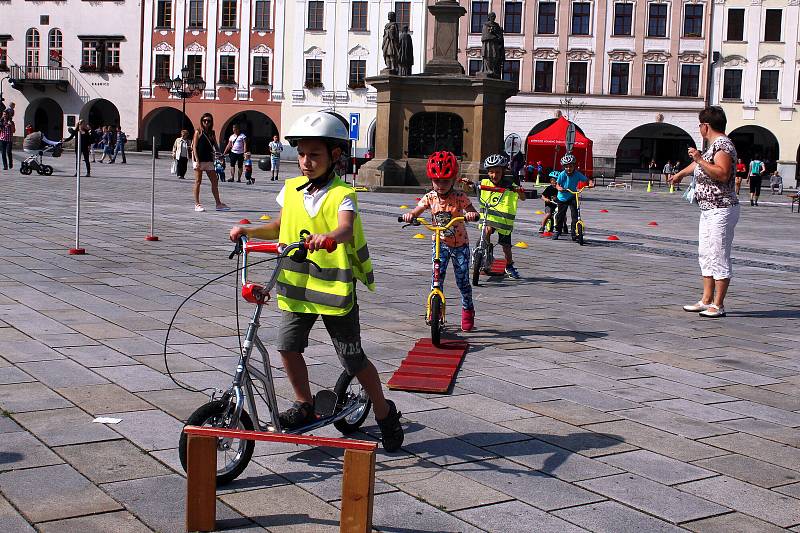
494	52
391	44
405	57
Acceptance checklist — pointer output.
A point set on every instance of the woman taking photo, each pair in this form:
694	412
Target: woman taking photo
204	149
714	174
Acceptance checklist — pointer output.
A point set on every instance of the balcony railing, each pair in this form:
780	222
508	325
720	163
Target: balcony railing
38	74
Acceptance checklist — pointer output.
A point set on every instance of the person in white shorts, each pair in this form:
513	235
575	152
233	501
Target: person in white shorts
275	149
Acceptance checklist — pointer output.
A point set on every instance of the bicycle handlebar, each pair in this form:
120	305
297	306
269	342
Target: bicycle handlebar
419	221
499	189
329	245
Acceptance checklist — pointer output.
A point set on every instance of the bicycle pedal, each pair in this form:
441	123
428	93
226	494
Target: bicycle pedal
325	403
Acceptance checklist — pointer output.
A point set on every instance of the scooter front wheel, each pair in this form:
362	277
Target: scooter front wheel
349	392
579	233
436	320
233	455
477	264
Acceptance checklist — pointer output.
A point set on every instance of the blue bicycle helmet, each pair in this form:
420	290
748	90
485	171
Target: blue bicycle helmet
495	160
555	174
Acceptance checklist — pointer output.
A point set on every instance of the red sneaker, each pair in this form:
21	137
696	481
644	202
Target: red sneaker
467	319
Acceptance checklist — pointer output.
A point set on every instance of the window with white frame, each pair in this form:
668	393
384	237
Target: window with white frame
474	66
358	17
693	20
735	30
313	73
196	19
358	72
772	25
511	70
112	56
543	77
402	11
623	19
262	15
194	62
620	76
478	16
512	17
577	77
546	18
227	69
228	15
654	79
316	15
657	19
732	84
32	48
163	13
261	70
690	80
581	18
90	56
3	55
768	88
55	41
162	68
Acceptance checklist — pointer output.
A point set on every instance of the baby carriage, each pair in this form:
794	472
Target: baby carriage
34	161
219	166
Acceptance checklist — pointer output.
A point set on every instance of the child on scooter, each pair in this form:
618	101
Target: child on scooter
549	197
500	218
446	203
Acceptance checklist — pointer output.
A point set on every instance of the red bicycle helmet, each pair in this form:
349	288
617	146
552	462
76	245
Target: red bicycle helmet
442	165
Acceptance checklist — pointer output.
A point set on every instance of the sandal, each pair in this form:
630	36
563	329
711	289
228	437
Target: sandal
391	430
298	415
696	308
713	311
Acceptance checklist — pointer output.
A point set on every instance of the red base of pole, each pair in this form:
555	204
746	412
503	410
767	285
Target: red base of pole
77	251
151	238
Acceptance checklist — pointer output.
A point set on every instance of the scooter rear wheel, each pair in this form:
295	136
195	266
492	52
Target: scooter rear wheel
343	389
233	455
477	263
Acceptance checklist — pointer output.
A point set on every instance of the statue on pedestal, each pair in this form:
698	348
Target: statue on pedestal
391	44
405	57
493	48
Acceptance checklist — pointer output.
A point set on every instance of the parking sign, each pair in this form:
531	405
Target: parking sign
355	120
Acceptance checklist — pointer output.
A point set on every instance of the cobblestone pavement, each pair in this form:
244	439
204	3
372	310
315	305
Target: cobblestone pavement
588	399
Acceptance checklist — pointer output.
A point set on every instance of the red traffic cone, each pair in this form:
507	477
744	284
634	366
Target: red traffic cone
612	238
604	210
652	223
547	234
244	221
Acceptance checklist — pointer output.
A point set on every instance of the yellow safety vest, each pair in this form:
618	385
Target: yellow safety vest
500	217
301	287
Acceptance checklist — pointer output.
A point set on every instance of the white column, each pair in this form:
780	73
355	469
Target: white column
751	75
211	46
278	58
375	24
147	47
419	29
789	73
298	45
341	65
245	23
180	33
329	60
717	36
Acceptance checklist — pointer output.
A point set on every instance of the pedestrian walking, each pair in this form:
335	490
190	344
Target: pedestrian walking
741	173
204	152
667	171
108	144
714	174
652	168
181	151
86	140
7	130
755	173
119	146
236	147
275	149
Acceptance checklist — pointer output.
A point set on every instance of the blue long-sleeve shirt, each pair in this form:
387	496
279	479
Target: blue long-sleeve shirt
569	181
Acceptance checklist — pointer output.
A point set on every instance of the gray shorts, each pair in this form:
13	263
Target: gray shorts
345	332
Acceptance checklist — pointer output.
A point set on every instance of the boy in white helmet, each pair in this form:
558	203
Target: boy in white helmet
320	202
573	179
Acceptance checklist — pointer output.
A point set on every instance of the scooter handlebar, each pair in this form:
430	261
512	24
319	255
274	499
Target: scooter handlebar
499	189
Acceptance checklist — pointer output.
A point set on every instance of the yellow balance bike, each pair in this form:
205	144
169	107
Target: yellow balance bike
580	225
435	305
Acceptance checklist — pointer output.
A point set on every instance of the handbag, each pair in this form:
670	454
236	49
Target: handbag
688	194
174	168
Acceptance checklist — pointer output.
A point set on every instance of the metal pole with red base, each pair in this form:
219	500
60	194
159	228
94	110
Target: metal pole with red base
77	250
150	236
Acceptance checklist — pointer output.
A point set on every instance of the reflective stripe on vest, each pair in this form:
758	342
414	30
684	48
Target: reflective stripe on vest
501	216
329	290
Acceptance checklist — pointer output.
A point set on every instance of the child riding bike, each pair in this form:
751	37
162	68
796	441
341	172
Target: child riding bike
320	202
446	203
500	218
569	178
550	206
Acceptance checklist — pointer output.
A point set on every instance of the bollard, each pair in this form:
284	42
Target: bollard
150	236
358	489
201	495
77	250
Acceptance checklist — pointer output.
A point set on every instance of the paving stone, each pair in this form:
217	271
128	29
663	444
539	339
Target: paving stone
22	450
763	412
12	374
107	461
695	379
765	504
160	502
96	356
179	362
176	402
664	470
611	517
731	523
150	430
395	508
681	390
136	345
746	378
767	430
467	428
757	448
504	391
792	490
101	523
639	394
516	516
570	437
570	412
64	426
673	423
11	521
484	407
590	398
653	498
762	396
698	411
62	373
439	447
285	509
137	378
552	460
65	494
103	399
750	470
525	484
7	424
24	397
19	351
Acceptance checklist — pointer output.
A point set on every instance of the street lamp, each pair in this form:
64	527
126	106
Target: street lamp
184	87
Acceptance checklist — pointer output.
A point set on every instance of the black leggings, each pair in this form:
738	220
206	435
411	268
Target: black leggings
85	154
561	216
755	185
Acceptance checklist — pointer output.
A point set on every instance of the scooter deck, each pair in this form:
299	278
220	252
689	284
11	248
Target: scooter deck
429	368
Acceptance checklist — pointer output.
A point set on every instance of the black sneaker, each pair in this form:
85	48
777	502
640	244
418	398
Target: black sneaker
556	235
391	430
298	415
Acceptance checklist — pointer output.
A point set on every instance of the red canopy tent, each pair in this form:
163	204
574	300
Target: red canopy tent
548	146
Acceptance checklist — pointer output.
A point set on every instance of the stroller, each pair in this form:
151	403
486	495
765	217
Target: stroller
34	161
219	166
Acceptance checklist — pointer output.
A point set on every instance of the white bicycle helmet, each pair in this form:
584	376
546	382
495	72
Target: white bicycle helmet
568	159
495	160
320	125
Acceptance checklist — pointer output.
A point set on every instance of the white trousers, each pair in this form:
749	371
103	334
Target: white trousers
716	240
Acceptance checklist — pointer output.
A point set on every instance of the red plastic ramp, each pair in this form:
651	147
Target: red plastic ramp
429	368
